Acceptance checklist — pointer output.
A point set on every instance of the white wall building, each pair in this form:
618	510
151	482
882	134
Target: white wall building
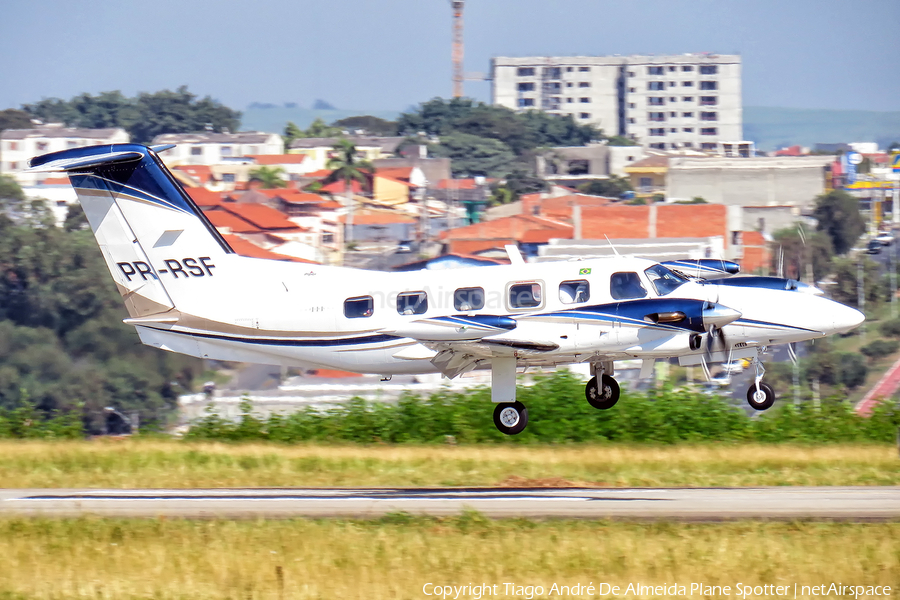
215	148
663	102
18	146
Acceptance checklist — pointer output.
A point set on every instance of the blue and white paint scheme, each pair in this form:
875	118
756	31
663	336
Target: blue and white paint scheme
186	291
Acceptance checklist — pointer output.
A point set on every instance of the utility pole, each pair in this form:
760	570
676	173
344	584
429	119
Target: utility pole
457	53
861	294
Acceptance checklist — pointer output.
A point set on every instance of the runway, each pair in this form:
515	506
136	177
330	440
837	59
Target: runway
708	504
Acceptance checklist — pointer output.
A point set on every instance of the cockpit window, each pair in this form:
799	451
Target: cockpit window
664	280
626	286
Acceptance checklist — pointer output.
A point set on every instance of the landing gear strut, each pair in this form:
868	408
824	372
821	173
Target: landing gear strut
760	396
510	415
602	391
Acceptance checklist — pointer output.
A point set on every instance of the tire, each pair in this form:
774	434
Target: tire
606	398
762	399
510	417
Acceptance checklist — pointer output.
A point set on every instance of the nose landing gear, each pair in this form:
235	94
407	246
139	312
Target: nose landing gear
760	396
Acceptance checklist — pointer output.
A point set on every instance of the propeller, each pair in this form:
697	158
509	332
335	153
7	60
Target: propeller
715	318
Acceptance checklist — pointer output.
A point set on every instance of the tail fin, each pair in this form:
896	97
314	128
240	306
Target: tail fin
155	240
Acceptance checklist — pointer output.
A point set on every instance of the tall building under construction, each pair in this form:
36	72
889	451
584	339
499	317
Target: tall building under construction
661	102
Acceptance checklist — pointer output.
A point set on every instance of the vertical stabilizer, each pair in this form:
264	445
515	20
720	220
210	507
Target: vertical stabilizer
158	246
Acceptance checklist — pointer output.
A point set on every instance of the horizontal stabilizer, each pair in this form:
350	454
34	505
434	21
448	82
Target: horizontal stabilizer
83	162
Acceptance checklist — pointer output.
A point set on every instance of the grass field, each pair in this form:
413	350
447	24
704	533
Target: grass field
135	463
396	556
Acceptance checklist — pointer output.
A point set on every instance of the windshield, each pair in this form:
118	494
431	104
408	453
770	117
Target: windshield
664	280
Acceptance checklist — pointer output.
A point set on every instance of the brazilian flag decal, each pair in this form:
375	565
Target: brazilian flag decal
584	272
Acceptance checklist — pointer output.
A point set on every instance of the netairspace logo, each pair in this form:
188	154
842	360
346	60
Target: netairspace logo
740	590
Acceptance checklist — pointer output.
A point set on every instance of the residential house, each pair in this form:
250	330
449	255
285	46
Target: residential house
18	146
319	150
207	148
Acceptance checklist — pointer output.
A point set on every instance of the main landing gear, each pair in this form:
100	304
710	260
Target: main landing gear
511	417
602	391
760	396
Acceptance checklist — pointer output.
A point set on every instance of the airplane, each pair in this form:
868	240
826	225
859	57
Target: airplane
186	291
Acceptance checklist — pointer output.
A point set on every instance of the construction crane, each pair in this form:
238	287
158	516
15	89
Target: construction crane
457	47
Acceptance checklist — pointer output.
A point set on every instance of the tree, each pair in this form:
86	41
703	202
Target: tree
318	129
63	345
270	177
618	140
846	281
613	187
472	155
12	198
838	216
799	246
348	167
14	119
371	125
291	133
180	112
144	117
520	132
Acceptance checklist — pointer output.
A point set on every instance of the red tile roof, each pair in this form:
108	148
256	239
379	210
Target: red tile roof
278	159
513	227
395	172
262	216
320	174
204	197
225	220
337	187
245	248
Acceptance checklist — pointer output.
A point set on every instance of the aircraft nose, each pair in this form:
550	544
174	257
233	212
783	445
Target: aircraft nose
847	318
718	315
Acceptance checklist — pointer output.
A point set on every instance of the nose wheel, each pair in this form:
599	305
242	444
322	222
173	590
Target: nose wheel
760	396
511	417
602	392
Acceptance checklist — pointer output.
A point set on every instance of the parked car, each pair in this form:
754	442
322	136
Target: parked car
404	247
733	368
885	238
874	247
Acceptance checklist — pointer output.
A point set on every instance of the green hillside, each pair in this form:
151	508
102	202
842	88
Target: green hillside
772	128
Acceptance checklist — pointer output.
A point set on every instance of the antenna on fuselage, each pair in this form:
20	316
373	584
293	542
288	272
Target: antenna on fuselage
611	246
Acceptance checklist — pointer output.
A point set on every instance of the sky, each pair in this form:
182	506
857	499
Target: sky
394	54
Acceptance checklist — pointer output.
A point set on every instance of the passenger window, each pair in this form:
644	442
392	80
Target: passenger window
466	299
626	286
525	295
361	306
574	292
412	303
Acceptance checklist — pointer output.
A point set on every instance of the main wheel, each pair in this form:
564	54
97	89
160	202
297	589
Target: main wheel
602	397
762	398
510	417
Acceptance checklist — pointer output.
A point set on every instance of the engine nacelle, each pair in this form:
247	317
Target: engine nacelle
673	345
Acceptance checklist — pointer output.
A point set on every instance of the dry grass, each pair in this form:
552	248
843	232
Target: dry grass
395	557
171	464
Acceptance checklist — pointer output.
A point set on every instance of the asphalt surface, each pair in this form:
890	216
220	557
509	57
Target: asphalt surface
709	504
